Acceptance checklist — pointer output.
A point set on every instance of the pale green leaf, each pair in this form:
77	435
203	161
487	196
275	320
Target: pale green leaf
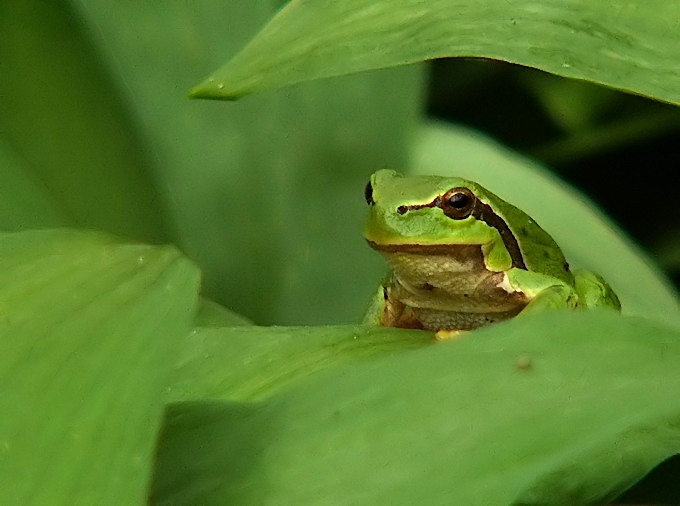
89	328
561	408
249	363
630	45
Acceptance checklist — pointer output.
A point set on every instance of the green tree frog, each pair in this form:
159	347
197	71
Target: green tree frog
462	258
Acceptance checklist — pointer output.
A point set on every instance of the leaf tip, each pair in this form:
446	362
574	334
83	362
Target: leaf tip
214	89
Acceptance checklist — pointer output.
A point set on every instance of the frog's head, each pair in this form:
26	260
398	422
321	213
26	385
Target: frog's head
436	212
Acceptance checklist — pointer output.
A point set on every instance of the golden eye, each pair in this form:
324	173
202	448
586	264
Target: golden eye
458	203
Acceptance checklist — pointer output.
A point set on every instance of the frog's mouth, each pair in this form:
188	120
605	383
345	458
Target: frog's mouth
426	249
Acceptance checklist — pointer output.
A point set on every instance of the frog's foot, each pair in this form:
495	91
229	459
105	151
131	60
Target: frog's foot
594	292
553	297
449	335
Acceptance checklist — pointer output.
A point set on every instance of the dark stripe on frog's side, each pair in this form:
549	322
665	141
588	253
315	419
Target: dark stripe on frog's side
483	212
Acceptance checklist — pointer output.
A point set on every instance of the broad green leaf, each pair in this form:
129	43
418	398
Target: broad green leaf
249	363
89	329
587	237
630	45
561	408
68	128
265	192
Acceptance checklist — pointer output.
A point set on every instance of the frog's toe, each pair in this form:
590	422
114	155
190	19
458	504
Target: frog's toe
449	335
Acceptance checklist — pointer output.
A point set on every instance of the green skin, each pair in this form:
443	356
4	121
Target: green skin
462	258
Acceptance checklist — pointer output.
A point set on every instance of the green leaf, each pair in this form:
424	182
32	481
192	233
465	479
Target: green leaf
588	238
212	314
269	162
24	200
561	408
249	363
89	329
627	45
68	128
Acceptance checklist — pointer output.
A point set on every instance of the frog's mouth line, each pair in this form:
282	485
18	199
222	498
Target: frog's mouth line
426	249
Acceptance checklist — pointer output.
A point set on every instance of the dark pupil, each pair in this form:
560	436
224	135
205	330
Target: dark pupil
459	201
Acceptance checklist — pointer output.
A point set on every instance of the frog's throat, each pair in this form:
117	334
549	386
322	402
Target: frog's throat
482	212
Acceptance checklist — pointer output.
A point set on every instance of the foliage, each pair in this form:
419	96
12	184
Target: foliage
117	374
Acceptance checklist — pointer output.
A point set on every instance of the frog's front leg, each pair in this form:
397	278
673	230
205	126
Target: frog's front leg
387	311
376	307
550	298
544	292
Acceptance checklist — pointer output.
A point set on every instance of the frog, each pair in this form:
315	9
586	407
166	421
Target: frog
461	258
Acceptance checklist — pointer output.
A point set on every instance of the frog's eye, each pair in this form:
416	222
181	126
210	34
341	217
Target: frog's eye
458	203
368	194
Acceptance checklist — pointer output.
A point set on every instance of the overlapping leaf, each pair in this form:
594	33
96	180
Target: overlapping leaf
627	45
88	330
563	408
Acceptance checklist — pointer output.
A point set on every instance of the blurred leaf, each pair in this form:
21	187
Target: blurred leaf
262	191
561	408
667	250
630	45
609	137
586	236
572	105
89	329
67	127
24	201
